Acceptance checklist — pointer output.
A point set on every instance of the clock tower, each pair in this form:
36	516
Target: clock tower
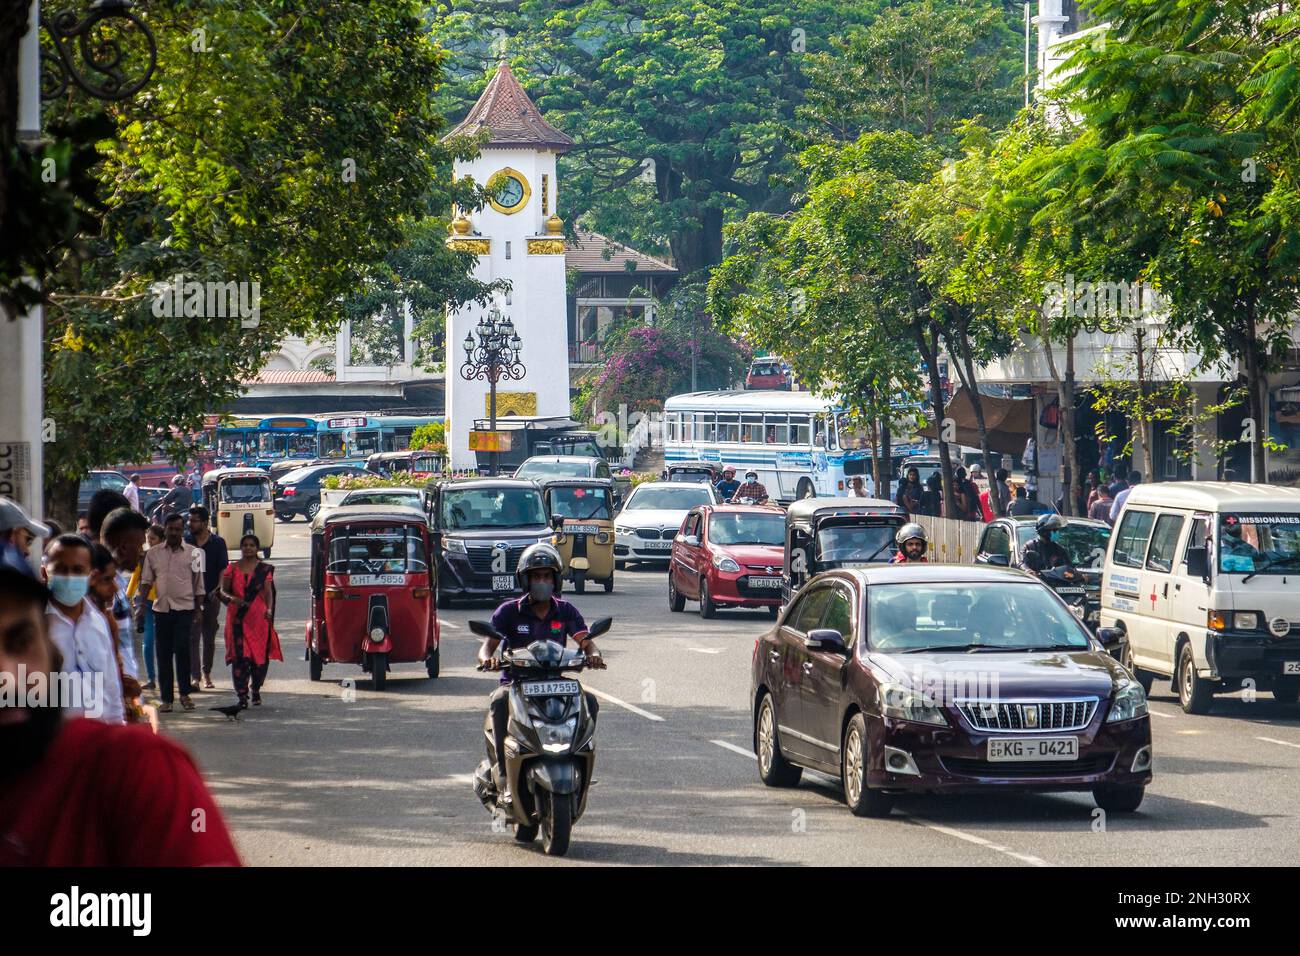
518	237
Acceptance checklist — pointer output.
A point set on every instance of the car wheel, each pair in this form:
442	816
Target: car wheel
707	607
1144	678
282	516
675	600
862	800
773	769
313	510
1286	692
1195	694
1119	798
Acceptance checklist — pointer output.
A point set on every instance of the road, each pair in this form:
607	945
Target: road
334	773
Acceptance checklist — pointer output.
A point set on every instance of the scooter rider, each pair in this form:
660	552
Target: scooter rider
751	489
912	545
538	615
727	484
1043	554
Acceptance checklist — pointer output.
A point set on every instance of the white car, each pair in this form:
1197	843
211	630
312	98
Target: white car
645	527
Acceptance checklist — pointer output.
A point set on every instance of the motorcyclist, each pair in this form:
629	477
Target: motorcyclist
538	615
727	484
751	489
1043	554
912	545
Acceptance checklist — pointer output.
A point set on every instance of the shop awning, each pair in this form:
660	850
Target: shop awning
1009	422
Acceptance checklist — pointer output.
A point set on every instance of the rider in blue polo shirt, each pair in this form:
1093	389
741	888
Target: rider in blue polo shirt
538	615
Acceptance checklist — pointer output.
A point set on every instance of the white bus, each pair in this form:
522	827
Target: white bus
801	445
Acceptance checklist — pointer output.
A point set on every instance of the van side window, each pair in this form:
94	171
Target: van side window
1164	543
1196	539
1131	539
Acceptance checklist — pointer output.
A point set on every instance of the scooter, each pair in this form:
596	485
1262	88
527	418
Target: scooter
1070	583
550	742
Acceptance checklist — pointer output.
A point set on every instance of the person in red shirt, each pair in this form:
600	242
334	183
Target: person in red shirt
78	792
912	545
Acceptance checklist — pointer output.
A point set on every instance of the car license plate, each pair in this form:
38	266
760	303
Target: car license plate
772	583
1035	748
656	545
550	688
1291	667
377	579
503	582
580	529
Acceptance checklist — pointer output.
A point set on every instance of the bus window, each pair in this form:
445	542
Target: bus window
365	443
674	424
751	428
705	427
728	427
852	435
800	430
777	429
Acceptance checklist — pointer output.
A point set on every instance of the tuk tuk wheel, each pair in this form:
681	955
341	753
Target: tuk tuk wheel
609	584
266	552
314	664
773	611
379	670
444	599
580	582
433	662
620	565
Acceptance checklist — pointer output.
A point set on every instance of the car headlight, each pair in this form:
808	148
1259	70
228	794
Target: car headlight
621	529
903	703
376	633
724	563
1130	703
1233	620
455	545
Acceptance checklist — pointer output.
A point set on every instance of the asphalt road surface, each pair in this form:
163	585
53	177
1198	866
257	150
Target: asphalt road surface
334	773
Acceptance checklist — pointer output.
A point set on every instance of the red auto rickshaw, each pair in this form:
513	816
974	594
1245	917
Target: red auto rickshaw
372	587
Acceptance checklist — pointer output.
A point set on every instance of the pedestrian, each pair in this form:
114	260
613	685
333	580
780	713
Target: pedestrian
1002	489
966	499
932	500
105	593
1099	510
81	632
155	538
910	492
102	504
17	532
1022	505
195	482
135	805
248	592
132	492
83	525
177	570
1134	478
215	559
856	489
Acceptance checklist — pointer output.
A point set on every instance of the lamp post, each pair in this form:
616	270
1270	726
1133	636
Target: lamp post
493	356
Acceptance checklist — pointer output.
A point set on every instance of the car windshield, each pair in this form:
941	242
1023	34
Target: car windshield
542	468
469	508
668	499
411	499
583	504
692	476
1085	544
1260	543
849	543
739	528
245	490
377	549
1002	616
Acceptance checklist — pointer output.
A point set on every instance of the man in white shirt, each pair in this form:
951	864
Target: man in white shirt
132	492
81	632
1134	477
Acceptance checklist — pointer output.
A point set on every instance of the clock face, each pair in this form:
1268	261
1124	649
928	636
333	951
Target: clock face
512	191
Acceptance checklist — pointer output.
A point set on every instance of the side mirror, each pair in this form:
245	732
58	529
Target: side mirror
825	639
1198	563
1110	636
557	522
1000	560
599	627
690	540
484	629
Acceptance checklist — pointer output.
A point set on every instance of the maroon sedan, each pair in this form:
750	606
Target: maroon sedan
946	678
728	556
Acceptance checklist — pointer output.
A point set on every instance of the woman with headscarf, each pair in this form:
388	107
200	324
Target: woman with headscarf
251	642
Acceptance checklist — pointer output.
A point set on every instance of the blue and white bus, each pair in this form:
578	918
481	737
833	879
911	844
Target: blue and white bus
801	445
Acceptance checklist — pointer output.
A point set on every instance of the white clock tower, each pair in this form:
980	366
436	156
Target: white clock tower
518	237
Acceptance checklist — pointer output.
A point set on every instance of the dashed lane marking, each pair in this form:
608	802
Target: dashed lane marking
725	745
1274	740
625	705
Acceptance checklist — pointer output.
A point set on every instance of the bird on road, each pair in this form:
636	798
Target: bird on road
231	711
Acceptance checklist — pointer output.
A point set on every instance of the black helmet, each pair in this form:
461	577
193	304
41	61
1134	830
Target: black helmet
536	557
1049	522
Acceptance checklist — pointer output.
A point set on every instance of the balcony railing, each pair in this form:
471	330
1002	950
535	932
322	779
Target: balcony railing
584	353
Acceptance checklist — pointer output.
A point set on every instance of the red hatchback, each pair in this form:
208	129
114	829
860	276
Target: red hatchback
728	556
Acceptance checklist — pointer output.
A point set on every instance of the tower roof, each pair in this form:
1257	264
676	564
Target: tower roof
511	117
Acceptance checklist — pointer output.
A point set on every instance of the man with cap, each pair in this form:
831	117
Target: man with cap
752	489
727	484
17	531
78	792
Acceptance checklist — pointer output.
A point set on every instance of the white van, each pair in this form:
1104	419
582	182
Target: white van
1204	579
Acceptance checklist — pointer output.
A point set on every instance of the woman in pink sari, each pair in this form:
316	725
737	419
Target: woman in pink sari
251	642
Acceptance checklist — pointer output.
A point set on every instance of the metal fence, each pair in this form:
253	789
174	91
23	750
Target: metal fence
951	541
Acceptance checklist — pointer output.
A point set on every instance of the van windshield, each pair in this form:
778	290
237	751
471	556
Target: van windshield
1259	543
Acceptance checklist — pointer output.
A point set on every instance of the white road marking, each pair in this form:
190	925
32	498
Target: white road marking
980	841
461	777
624	704
734	749
705	650
442	623
1159	713
1284	743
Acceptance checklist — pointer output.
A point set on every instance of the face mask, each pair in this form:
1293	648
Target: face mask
539	591
69	589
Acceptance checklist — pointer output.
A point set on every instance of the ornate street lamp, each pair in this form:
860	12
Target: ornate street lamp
97	40
494	356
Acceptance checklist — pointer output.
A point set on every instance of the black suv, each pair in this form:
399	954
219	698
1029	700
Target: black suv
298	492
481	527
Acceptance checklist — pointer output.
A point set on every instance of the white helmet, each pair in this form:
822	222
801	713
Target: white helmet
910	531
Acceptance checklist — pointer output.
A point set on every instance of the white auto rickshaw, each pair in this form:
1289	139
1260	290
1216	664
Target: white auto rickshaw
240	502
